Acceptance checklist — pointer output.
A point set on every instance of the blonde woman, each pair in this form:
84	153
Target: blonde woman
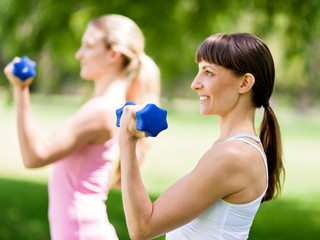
84	148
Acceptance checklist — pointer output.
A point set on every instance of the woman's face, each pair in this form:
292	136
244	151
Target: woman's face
93	54
217	87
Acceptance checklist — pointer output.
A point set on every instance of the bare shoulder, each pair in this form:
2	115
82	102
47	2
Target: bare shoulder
96	117
97	104
98	109
228	154
227	167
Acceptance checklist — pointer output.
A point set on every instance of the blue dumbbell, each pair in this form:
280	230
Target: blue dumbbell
24	69
151	119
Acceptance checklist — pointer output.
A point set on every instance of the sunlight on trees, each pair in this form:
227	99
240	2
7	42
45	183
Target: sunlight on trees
50	31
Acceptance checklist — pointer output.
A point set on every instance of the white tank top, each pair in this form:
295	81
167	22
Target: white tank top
223	220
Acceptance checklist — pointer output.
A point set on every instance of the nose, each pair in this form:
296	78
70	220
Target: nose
196	83
79	54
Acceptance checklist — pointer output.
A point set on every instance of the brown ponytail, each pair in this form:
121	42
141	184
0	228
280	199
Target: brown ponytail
270	136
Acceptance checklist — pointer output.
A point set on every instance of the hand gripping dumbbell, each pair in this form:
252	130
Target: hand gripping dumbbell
151	119
24	69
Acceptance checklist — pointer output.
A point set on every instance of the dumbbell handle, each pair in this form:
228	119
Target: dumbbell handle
132	125
150	120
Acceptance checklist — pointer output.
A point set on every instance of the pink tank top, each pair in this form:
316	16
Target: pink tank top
77	194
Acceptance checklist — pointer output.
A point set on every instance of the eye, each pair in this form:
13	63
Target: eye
208	73
86	45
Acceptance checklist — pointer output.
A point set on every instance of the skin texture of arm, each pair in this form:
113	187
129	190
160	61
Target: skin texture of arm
83	127
221	172
143	145
92	123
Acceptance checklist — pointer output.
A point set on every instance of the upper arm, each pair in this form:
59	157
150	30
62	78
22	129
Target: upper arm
88	124
214	177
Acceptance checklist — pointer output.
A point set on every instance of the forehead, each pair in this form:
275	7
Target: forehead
92	35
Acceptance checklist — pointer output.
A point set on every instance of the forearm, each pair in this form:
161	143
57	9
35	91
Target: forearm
142	147
137	205
28	138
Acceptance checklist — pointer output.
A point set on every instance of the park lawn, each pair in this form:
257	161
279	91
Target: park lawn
295	215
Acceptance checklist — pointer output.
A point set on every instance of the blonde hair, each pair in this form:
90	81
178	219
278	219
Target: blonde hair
143	74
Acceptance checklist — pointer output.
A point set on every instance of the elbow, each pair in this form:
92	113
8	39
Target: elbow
32	162
29	165
134	234
139	234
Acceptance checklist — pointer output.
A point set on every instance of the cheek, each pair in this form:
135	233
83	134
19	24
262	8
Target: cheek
228	99
95	65
224	97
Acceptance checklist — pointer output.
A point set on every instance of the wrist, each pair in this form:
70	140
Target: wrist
128	141
21	97
127	145
20	90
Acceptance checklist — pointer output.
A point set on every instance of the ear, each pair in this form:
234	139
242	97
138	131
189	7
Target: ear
247	82
115	55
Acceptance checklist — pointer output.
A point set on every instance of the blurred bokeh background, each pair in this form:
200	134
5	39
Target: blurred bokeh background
50	31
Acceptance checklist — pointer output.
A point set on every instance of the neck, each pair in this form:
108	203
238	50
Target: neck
240	120
105	83
114	95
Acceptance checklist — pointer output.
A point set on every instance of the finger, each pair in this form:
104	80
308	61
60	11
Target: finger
130	111
8	69
16	59
129	121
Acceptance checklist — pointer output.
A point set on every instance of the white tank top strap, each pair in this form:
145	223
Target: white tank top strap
246	135
240	137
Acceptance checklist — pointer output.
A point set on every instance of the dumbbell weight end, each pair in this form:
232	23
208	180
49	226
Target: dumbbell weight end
24	69
149	121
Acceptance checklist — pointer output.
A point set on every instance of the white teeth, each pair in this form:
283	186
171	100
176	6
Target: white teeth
203	97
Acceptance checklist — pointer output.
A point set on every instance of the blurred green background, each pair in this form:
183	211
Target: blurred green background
49	32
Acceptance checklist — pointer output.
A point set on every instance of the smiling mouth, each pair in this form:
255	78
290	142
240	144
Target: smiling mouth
204	97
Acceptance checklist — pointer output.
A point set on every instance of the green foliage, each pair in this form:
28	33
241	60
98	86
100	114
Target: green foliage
49	31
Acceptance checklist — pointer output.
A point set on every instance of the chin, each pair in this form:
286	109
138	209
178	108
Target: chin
206	112
85	76
202	112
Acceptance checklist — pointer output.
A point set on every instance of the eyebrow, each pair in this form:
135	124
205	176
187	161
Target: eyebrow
208	66
87	41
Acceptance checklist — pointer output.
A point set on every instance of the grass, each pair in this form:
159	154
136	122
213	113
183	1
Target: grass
295	215
23	214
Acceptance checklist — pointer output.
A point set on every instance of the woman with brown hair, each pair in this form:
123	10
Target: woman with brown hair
84	149
220	196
